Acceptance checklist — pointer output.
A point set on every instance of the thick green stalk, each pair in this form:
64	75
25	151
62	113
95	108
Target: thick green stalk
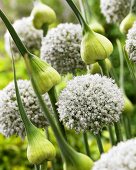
99	143
79	16
112	139
103	66
118	132
43	166
13	34
53	99
85	137
45	29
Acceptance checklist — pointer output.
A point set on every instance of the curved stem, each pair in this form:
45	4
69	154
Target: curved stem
37	167
99	143
53	99
103	66
79	16
43	166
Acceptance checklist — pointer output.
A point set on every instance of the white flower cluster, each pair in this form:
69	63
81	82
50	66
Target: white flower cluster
120	157
90	102
131	43
10	120
61	48
28	34
115	10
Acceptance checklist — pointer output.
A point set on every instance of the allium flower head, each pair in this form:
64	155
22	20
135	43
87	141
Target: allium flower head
90	102
120	157
29	35
10	120
115	10
61	48
131	43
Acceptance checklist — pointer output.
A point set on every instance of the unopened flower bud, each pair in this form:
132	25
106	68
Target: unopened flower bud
81	162
95	68
39	148
128	106
127	22
95	47
45	75
42	15
97	27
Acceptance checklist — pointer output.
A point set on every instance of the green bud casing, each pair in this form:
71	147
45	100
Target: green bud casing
97	27
95	47
128	107
127	22
42	15
39	148
80	162
45	75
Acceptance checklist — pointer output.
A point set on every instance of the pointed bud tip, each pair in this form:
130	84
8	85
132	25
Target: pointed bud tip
39	148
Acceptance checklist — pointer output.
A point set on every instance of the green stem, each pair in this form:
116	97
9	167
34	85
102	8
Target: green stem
14	35
133	6
103	66
99	143
125	126
85	137
37	167
83	11
79	16
68	153
27	123
43	166
118	132
53	99
45	29
112	139
121	57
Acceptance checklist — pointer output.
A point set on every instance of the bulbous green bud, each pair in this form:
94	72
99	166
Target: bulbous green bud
39	148
127	22
45	75
128	107
95	47
95	68
42	15
80	162
97	27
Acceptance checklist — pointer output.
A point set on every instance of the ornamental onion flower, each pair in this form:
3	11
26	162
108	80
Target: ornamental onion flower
10	120
90	102
115	10
120	157
131	43
29	35
61	48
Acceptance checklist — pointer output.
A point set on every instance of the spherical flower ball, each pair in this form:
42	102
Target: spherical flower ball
115	10
120	157
10	120
90	102
30	36
131	43
61	48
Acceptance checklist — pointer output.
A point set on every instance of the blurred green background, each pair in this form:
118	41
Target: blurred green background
13	149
